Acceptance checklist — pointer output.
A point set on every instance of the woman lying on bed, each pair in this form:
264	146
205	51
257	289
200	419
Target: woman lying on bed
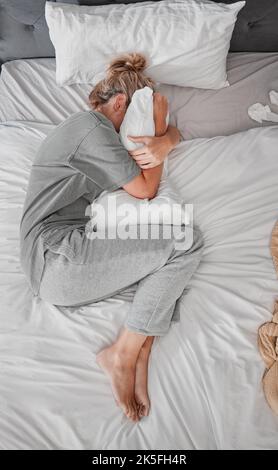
79	159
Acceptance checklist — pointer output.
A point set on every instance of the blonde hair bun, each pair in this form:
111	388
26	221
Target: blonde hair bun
133	62
123	75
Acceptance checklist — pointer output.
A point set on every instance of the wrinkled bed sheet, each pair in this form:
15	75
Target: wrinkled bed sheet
28	91
205	374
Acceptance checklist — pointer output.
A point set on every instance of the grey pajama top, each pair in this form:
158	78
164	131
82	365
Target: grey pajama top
79	159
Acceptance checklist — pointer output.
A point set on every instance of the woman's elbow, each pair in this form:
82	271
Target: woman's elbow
152	193
141	189
144	194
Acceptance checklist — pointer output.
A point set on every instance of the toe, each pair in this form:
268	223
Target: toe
135	416
127	410
133	411
146	410
141	411
124	407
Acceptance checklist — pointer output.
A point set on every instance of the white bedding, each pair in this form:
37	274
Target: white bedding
28	91
205	374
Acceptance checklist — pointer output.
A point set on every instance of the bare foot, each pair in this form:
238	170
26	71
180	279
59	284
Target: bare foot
141	384
121	372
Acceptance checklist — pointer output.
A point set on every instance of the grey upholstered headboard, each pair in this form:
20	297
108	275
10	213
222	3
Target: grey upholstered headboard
24	33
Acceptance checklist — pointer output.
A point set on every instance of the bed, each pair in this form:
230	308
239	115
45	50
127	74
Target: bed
205	374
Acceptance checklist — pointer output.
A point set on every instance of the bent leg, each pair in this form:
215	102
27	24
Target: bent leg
98	269
79	271
155	299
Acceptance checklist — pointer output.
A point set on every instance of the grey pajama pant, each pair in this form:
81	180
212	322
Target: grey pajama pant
80	271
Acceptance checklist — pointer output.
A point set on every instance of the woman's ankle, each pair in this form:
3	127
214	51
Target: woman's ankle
128	345
124	354
147	347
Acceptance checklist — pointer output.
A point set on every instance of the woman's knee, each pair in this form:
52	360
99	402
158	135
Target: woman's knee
191	242
198	243
51	285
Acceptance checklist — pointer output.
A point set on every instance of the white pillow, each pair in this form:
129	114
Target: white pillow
113	208
138	120
186	42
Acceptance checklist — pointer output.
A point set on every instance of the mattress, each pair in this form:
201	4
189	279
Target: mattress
205	374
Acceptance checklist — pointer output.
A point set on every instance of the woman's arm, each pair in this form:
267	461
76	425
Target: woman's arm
160	111
146	184
157	148
150	157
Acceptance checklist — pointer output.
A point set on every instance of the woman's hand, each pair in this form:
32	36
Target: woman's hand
156	148
153	153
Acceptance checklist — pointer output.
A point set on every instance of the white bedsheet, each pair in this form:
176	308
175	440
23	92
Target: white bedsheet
28	91
205	374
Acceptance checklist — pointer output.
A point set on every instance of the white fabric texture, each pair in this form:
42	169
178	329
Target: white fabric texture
189	46
273	96
111	209
120	208
138	118
28	91
261	113
205	374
